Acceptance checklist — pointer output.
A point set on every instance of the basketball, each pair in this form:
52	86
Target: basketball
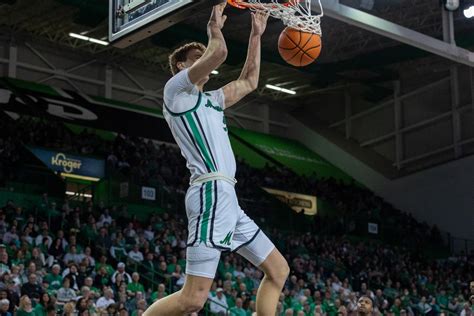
299	48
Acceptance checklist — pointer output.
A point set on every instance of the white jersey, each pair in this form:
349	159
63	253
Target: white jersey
199	127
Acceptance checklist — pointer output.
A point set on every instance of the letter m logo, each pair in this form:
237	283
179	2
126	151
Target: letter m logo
227	239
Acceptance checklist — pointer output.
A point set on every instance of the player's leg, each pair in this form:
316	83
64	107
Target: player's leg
201	261
201	266
256	247
191	298
276	272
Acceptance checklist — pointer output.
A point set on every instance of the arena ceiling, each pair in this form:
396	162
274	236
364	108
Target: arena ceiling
354	61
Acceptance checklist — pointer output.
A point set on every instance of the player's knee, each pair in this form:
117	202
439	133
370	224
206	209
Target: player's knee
192	303
280	271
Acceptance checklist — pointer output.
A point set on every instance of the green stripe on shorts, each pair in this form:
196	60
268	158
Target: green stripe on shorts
207	211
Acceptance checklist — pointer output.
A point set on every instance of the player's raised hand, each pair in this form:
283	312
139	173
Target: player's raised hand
217	16
259	22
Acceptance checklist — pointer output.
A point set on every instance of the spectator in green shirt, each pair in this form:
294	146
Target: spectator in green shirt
135	286
328	304
396	307
55	279
41	307
159	294
25	308
442	299
237	310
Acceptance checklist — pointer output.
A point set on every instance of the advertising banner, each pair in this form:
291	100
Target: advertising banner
70	165
296	201
28	98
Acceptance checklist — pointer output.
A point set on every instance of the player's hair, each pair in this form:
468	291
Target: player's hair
181	53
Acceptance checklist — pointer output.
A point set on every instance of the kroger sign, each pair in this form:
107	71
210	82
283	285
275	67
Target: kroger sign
70	164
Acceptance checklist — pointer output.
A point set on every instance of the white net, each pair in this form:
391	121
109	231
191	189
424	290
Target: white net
294	13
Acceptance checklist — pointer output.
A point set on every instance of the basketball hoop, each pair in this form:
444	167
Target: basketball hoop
296	14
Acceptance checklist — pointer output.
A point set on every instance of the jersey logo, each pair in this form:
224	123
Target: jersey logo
212	106
226	240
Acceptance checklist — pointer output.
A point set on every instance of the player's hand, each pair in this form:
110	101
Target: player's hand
217	16
259	22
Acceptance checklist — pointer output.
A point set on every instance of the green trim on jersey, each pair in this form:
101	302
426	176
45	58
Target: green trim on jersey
186	112
207	212
200	142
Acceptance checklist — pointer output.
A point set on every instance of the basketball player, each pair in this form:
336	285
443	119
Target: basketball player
216	223
365	306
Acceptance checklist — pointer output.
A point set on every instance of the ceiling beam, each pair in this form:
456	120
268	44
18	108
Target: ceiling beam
369	22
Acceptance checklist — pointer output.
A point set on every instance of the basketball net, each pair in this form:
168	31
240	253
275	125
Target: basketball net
296	14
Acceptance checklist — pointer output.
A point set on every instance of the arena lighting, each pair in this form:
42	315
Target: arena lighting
80	194
88	39
469	12
214	72
270	86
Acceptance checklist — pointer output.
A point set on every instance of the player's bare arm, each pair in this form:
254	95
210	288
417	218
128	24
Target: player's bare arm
216	51
248	79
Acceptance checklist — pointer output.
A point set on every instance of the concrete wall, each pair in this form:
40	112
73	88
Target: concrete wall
443	195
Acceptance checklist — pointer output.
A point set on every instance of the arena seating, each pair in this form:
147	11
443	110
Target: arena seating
60	256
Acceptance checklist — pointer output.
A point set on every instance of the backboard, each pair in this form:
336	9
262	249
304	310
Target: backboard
131	21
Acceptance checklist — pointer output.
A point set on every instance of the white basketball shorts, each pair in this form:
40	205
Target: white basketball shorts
216	223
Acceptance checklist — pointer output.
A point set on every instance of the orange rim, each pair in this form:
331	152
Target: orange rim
243	4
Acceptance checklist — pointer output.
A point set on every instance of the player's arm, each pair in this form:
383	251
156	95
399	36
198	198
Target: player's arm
216	51
248	80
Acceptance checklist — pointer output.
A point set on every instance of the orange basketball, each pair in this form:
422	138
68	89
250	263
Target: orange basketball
299	48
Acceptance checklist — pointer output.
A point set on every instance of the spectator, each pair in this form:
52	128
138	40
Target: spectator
44	239
65	293
365	306
31	289
41	308
467	310
237	310
89	257
159	293
117	251
69	309
104	219
4	266
11	236
218	302
37	258
121	270
103	242
106	300
135	254
55	252
72	274
102	279
31	270
25	309
4	307
134	286
55	279
72	255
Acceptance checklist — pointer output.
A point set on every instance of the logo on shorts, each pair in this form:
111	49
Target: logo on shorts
227	239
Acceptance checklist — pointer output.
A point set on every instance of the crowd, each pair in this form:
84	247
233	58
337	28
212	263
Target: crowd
98	261
147	163
95	260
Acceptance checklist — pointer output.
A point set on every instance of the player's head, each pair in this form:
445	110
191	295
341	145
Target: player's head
185	56
364	306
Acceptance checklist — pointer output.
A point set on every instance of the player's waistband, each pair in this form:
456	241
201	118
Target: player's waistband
211	177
